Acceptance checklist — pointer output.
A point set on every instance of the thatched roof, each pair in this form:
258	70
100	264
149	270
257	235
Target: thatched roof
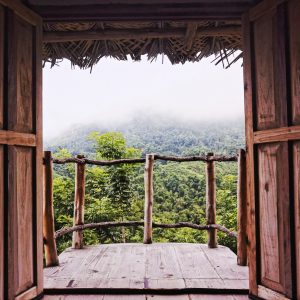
85	43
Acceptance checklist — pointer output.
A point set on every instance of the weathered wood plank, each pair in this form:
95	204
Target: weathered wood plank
270	69
20	224
1	223
51	256
150	267
266	293
38	129
249	128
22	10
294	24
112	35
296	163
148	178
219	297
224	262
77	240
162	268
20	75
274	213
211	201
192	262
2	43
282	134
17	138
242	210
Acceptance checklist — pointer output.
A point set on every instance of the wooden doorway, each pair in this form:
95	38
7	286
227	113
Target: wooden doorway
271	62
20	152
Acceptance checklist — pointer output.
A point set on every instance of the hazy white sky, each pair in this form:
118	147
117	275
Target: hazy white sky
118	90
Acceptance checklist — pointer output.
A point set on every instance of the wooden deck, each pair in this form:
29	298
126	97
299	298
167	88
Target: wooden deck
139	268
148	297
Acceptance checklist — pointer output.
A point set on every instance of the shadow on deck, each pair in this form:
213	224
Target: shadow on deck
154	268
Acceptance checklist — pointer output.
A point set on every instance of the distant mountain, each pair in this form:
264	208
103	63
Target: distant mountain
159	135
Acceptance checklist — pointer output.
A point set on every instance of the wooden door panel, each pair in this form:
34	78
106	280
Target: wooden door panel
269	135
1	224
294	25
21	272
20	170
1	63
20	102
296	163
274	218
270	89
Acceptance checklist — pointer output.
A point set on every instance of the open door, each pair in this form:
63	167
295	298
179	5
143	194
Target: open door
20	152
272	107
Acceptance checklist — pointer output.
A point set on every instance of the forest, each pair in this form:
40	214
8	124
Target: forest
116	193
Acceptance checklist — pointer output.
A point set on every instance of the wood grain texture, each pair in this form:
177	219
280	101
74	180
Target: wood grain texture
266	293
27	14
242	210
2	43
38	128
157	10
1	223
275	248
17	138
282	134
166	266
294	24
20	74
77	240
20	223
23	70
296	163
148	297
211	201
149	194
249	117
51	257
111	35
270	70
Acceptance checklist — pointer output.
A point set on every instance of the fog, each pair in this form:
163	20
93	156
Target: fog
116	91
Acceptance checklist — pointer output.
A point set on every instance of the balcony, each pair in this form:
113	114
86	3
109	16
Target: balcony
147	268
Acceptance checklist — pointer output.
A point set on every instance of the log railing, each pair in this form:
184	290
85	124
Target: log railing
80	161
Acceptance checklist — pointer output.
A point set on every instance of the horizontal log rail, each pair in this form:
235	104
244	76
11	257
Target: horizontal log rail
147	223
203	158
66	230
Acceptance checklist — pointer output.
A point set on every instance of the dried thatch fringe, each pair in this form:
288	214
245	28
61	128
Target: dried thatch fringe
85	54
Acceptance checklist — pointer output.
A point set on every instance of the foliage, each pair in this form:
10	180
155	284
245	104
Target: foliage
117	193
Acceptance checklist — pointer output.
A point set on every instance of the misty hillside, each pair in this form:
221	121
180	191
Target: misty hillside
157	135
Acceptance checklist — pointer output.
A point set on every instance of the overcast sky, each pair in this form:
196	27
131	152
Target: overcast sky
118	90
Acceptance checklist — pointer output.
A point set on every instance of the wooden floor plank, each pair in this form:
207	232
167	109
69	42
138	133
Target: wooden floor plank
146	297
168	297
193	261
225	263
219	297
151	267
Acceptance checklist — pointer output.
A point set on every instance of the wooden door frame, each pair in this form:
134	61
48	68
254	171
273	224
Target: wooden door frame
32	140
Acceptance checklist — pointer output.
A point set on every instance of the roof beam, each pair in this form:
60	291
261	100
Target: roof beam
142	12
73	36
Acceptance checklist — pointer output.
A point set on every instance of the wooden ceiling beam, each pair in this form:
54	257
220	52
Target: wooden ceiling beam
73	36
134	12
191	32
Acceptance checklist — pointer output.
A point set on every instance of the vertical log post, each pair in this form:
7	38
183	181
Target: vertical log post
148	177
211	200
77	241
48	213
242	210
